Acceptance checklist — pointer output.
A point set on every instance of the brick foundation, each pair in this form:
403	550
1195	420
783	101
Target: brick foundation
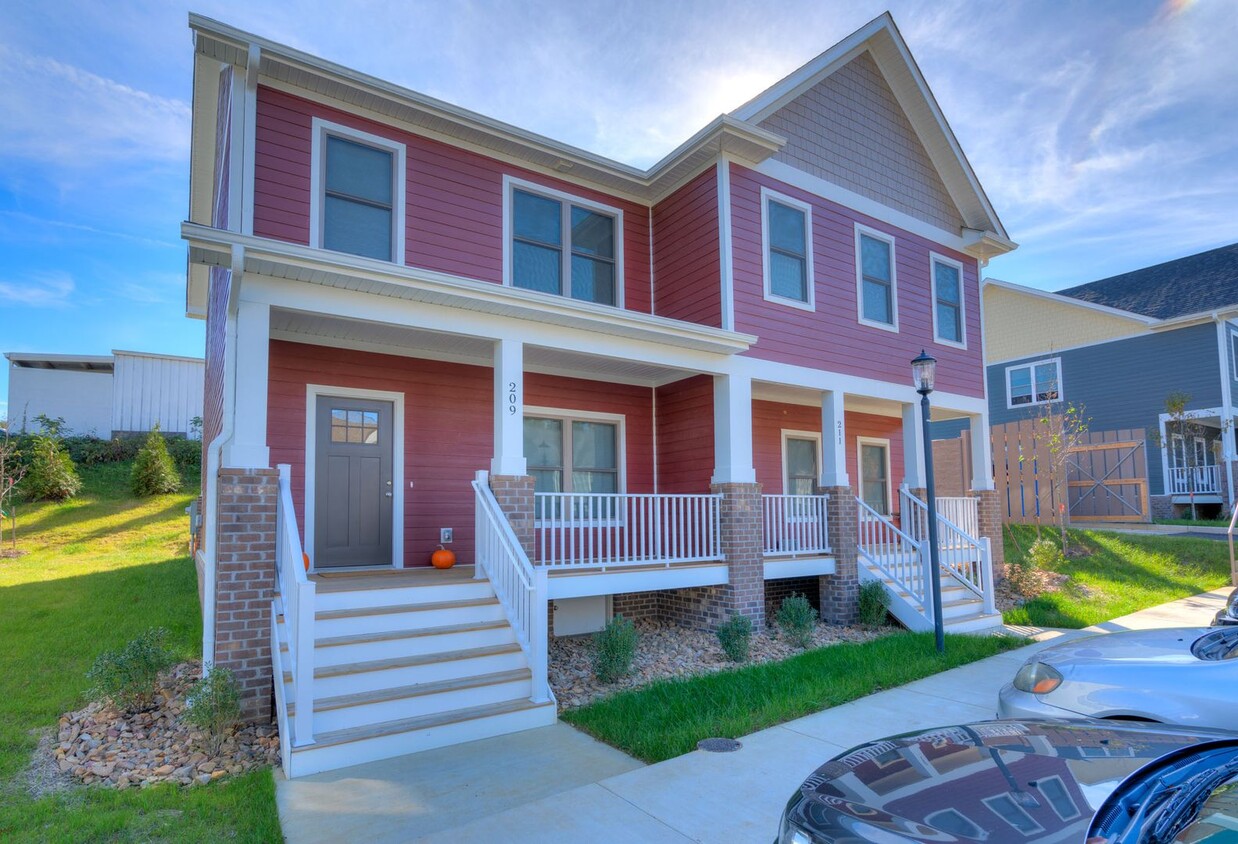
838	594
244	583
742	547
515	496
989	513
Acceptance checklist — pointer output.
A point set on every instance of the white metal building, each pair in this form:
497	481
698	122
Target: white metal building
124	392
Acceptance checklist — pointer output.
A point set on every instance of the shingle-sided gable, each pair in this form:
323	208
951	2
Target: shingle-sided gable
850	130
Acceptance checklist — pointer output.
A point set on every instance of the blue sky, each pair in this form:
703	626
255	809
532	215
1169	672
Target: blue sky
1105	133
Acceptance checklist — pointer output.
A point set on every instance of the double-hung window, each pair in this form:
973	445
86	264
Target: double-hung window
1034	383
876	283
786	228
563	245
357	193
800	457
572	455
947	301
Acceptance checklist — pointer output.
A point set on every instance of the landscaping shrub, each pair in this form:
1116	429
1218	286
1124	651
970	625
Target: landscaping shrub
186	454
874	603
129	677
154	473
92	451
796	620
614	649
50	475
214	704
1045	553
735	635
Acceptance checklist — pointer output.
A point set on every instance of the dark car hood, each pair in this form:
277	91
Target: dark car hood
995	780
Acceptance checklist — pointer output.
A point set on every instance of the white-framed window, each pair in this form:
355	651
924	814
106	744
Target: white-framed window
874	459
786	250
1180	459
949	326
1039	382
574	451
876	280
357	189
1004	807
801	462
562	244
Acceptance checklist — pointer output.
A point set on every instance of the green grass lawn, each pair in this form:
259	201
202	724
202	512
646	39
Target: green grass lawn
1195	522
99	570
1120	574
669	717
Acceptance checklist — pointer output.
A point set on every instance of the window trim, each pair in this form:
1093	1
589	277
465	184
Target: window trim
1061	387
862	230
321	129
860	442
510	185
768	196
934	259
1233	355
567	416
788	434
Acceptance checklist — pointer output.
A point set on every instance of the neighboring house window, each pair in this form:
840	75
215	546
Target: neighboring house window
947	301
564	245
1034	383
357	197
875	278
572	455
800	457
786	232
1055	790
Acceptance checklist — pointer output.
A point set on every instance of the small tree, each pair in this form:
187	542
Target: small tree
1187	425
12	470
50	474
1062	430
154	473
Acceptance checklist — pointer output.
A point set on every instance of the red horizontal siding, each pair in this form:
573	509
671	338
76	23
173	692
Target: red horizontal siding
831	337
686	435
686	263
454	197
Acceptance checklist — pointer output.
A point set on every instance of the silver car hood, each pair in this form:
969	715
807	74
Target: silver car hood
1161	645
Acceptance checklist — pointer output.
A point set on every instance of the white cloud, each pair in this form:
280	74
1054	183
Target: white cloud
38	290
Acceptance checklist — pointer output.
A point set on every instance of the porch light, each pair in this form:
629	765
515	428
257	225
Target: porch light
923	372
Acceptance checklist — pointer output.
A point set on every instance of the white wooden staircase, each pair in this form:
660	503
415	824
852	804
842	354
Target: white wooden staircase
898	556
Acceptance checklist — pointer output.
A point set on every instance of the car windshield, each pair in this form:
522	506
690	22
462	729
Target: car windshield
1217	645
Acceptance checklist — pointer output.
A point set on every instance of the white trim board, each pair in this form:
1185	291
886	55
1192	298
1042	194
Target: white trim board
312	394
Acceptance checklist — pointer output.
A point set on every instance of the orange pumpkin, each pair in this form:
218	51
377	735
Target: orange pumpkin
442	558
305	559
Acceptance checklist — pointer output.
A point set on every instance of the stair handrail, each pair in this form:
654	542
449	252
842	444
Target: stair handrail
877	537
521	587
295	600
967	558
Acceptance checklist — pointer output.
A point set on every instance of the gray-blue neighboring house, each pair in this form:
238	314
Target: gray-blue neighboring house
1119	347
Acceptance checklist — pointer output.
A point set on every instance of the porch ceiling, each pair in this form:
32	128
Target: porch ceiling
853	403
385	338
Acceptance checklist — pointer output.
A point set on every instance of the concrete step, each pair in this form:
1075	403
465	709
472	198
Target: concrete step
359	647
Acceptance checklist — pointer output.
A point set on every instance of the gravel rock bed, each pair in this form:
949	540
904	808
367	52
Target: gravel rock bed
669	650
100	746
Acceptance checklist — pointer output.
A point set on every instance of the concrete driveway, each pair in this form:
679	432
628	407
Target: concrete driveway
526	788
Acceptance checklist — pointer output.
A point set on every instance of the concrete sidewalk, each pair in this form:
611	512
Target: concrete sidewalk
712	797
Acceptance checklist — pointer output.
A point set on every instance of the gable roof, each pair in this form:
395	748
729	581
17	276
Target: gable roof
1202	282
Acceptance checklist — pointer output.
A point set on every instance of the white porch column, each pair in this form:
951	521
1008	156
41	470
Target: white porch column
981	452
508	409
833	440
913	447
247	449
733	430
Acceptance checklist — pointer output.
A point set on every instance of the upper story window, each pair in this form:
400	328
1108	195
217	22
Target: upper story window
947	301
564	245
786	232
876	282
357	195
1034	383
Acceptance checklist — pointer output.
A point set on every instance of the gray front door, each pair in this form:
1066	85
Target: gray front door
353	493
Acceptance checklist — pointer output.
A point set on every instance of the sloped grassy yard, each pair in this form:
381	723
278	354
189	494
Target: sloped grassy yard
99	570
1118	574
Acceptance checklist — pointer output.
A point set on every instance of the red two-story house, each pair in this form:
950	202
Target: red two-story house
681	392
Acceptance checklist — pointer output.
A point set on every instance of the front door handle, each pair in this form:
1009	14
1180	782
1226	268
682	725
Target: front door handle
387	494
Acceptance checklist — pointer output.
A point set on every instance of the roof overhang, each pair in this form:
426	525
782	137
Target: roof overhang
1070	301
211	247
74	363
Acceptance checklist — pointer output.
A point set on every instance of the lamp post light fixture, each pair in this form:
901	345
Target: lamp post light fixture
923	374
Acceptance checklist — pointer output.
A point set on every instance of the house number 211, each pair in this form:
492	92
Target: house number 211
512	398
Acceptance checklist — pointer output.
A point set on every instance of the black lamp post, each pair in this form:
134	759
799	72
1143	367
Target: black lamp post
923	372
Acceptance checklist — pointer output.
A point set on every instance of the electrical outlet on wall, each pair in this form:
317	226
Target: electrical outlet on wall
444	535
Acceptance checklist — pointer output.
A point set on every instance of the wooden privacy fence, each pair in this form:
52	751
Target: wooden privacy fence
1106	475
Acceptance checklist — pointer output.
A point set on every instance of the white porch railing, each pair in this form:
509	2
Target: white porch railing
794	525
966	556
964	512
521	588
1207	480
589	530
295	601
896	554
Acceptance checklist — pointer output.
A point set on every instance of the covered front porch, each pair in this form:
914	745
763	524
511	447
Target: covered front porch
1198	453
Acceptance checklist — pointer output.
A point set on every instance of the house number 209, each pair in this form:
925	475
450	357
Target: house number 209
512	399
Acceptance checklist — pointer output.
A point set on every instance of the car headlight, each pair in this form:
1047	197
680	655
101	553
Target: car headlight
789	833
1037	678
1231	604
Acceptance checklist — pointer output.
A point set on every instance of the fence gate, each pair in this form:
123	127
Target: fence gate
1106	475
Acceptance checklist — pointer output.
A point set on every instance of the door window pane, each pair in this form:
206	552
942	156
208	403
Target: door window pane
873	479
801	466
354	426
